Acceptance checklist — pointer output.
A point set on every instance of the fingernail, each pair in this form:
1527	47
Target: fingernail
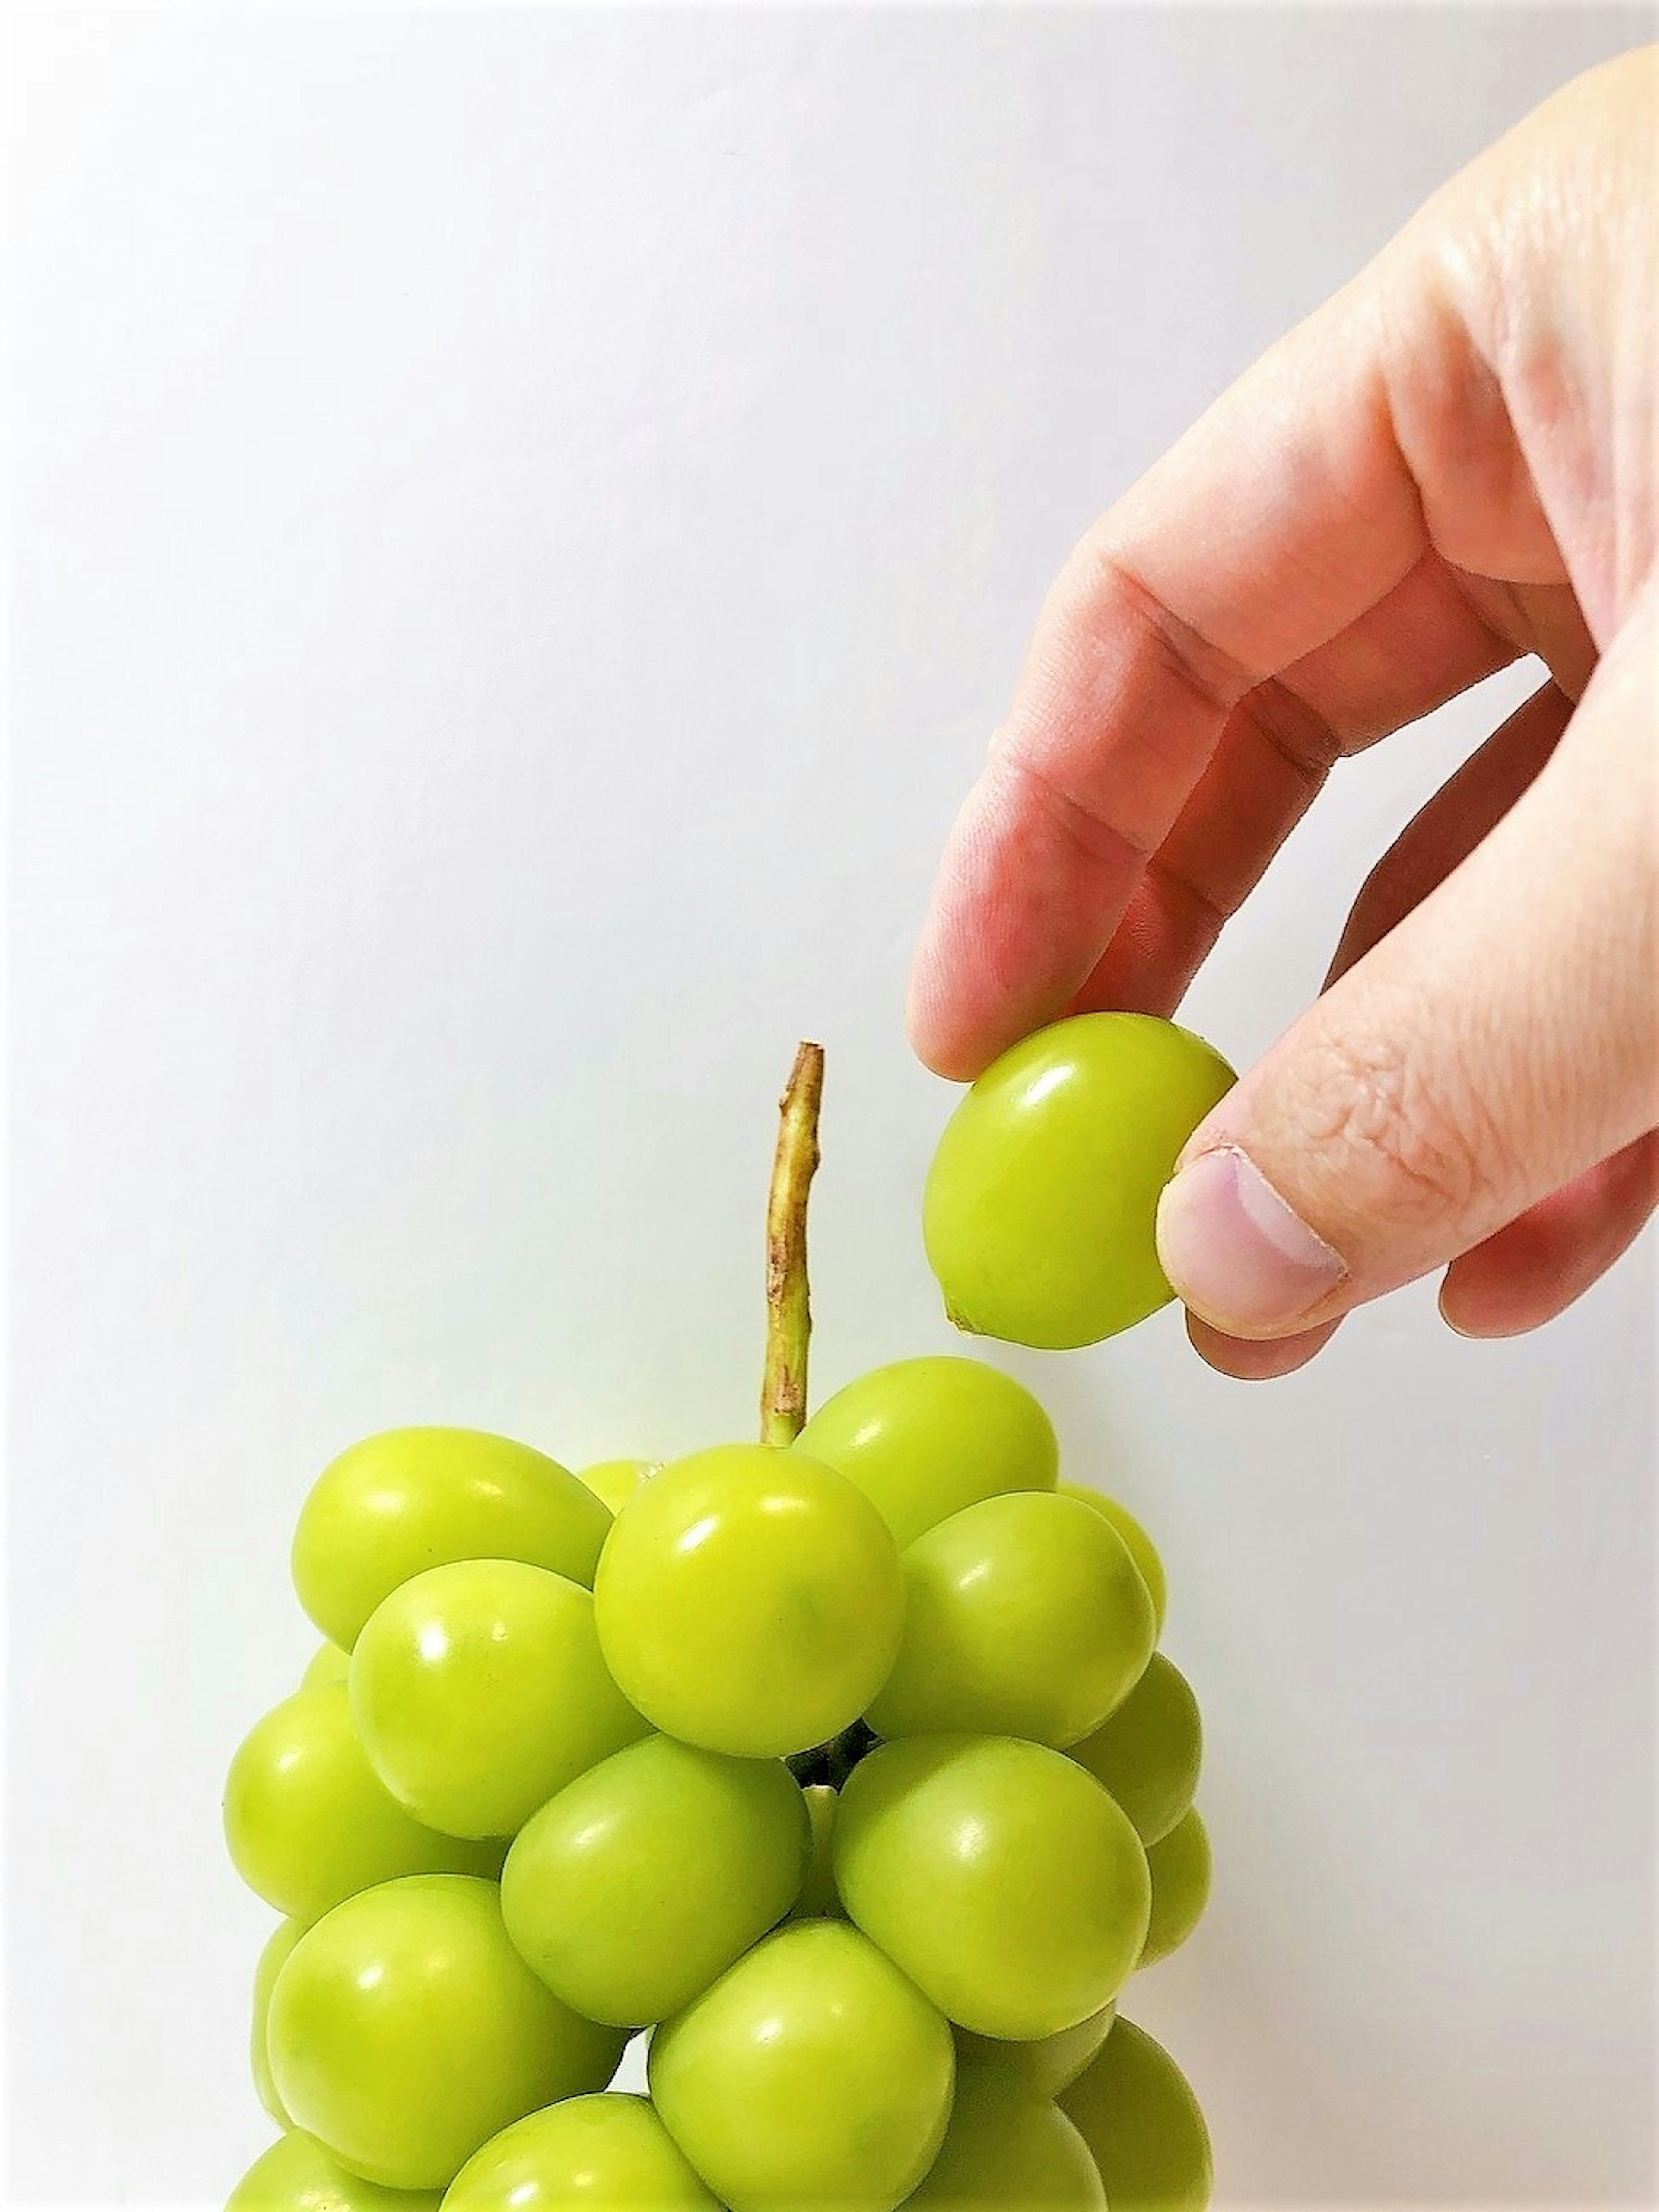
1236	1251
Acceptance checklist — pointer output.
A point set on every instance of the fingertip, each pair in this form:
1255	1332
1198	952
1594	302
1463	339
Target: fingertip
1481	1311
1448	1301
1236	1250
916	1027
1256	1359
1539	1264
937	1041
950	956
957	1020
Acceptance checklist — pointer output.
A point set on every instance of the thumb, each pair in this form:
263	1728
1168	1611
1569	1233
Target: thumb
1500	1040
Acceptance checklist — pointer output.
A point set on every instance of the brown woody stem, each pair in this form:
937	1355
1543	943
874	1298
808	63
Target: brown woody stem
788	1307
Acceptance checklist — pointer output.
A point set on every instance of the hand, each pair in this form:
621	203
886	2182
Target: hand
1452	465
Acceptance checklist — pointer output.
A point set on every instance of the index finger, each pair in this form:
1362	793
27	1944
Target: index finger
1287	515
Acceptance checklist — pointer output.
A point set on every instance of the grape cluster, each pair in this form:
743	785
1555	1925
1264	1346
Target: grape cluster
848	1769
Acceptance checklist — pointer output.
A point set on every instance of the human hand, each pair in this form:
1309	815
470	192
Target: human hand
1452	465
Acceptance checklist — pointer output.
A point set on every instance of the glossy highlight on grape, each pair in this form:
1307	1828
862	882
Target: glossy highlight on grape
1025	1616
749	1600
413	1499
1000	1877
309	1823
644	1879
1040	1211
406	2030
924	1438
813	2071
479	1690
609	2153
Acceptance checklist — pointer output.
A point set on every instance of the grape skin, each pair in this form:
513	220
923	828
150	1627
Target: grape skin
399	1503
298	2175
309	1823
1002	1878
1149	1754
1025	1616
641	1883
1008	2146
479	1690
749	1600
1040	1207
609	2152
272	1960
328	1664
406	2030
923	1438
1136	2111
1048	2065
812	2073
1142	1550
1180	1867
614	1481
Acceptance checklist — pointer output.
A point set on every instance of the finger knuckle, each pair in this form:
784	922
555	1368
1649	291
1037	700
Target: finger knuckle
1408	1144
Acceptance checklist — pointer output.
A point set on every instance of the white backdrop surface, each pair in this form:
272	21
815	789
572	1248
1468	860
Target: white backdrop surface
521	523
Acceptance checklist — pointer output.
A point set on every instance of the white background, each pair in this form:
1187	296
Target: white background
522	524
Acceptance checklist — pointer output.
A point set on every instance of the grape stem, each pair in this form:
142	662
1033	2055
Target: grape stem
831	1763
789	1304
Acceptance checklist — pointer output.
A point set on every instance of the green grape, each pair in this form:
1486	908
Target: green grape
1150	1752
1180	1867
1142	1550
298	2175
998	1876
1025	1616
1042	1200
479	1690
1050	2065
811	2073
309	1821
272	1960
405	2032
1008	2146
615	1481
328	1664
817	1899
1134	2109
641	1882
602	2152
926	1438
396	1504
749	1600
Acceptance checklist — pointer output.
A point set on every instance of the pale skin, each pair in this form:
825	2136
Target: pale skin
1451	466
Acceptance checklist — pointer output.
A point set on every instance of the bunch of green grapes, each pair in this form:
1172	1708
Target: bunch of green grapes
845	1767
